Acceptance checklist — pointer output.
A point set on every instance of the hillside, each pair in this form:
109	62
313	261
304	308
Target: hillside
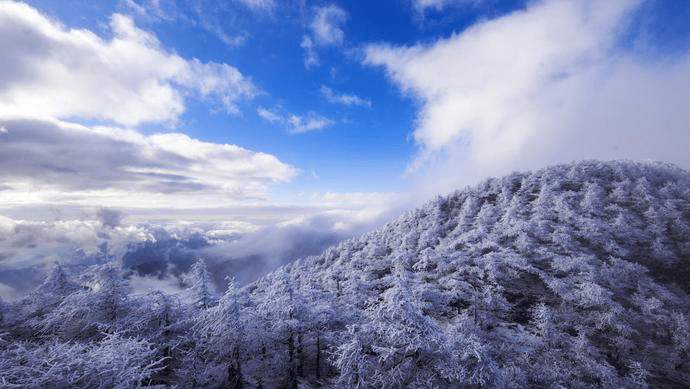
572	276
575	275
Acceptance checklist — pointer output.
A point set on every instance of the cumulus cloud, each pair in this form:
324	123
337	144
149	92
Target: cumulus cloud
544	85
27	248
52	162
335	97
76	241
25	243
129	79
126	194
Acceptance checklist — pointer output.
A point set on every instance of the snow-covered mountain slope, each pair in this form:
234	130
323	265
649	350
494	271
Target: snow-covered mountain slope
576	275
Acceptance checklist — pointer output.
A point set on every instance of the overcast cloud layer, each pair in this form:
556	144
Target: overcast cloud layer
537	87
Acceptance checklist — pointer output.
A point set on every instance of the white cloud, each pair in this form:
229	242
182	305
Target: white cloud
311	58
148	9
537	87
326	30
269	115
214	27
207	16
311	122
344	99
129	79
421	5
51	162
218	81
258	5
236	248
327	25
296	124
354	212
50	74
440	5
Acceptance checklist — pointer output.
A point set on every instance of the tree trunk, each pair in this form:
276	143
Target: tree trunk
291	362
235	371
300	357
318	354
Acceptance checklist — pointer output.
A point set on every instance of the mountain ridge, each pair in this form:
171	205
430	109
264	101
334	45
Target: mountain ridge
530	243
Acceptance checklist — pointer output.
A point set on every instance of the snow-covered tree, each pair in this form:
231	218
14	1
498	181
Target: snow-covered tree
113	362
101	305
226	335
201	291
396	346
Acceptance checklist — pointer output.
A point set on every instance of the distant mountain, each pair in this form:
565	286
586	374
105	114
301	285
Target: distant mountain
574	276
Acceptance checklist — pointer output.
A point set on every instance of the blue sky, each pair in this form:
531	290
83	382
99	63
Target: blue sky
249	114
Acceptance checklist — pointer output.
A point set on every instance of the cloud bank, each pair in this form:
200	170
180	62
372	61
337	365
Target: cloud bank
535	87
48	161
158	253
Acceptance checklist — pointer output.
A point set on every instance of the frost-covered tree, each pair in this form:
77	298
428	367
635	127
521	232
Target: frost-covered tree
164	321
100	305
225	335
112	362
285	314
33	308
396	346
201	290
